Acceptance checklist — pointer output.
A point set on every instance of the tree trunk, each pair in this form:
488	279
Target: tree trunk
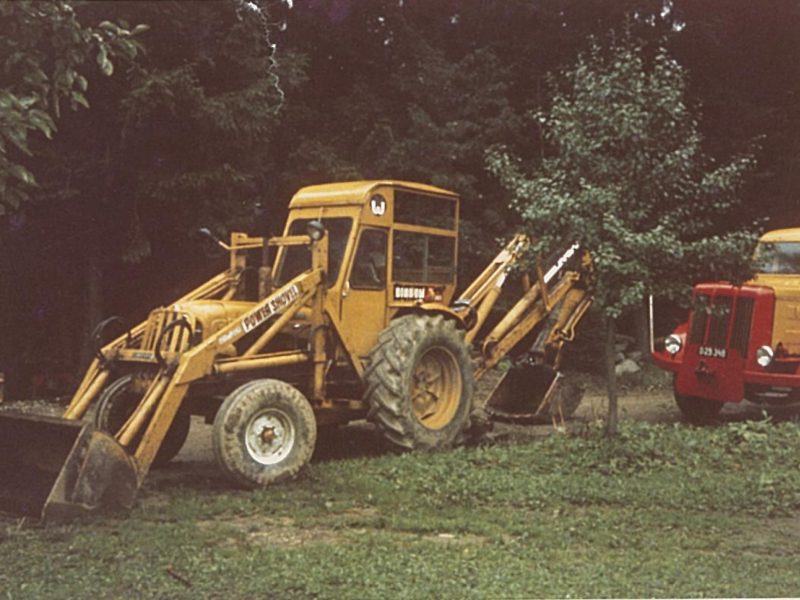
611	376
642	323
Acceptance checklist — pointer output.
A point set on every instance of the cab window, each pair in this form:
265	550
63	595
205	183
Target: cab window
778	258
423	258
420	209
297	259
369	265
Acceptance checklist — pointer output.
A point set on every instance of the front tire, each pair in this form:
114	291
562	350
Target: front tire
698	410
264	432
419	383
117	403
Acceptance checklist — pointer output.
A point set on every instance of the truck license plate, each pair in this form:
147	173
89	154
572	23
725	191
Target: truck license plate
710	352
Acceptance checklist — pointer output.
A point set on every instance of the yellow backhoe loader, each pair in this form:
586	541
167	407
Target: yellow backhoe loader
349	314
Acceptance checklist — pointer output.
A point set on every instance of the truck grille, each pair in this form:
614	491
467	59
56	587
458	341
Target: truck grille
740	335
176	340
711	322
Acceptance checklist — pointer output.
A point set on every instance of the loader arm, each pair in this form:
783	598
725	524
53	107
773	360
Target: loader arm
222	285
169	387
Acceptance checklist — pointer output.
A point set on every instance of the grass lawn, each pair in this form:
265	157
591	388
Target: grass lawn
663	510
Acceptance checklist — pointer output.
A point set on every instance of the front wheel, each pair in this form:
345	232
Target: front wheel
419	383
264	432
116	405
697	410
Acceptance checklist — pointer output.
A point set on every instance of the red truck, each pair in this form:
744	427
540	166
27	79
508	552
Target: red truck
741	342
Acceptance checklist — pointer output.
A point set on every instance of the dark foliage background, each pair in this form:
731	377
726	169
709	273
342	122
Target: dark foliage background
231	106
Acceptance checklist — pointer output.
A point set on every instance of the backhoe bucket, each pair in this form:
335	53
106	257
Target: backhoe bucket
533	394
58	469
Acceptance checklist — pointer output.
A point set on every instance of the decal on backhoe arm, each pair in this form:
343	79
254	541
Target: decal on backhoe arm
561	262
275	305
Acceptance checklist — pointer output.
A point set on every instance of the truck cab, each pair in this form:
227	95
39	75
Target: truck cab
741	342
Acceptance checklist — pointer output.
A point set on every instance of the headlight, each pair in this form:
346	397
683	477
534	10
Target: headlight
315	230
672	344
764	356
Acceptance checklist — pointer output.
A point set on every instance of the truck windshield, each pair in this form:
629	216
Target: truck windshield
297	259
778	257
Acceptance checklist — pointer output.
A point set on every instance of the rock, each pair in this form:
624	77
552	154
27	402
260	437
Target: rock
623	342
627	367
620	356
635	355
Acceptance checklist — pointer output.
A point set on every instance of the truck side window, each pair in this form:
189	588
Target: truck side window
369	265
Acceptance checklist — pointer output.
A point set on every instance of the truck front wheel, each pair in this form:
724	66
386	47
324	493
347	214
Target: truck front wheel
698	410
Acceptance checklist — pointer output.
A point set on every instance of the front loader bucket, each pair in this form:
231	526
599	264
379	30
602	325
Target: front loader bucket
58	469
533	394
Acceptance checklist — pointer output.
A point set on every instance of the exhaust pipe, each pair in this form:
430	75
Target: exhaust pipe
57	469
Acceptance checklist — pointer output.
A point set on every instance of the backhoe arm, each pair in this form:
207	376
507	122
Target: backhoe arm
558	297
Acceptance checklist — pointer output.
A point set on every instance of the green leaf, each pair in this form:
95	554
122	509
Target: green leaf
103	61
18	137
22	174
79	98
109	26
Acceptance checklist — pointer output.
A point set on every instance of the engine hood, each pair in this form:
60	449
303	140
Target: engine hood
213	315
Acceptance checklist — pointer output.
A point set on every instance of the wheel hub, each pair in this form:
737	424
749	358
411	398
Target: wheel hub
436	388
269	437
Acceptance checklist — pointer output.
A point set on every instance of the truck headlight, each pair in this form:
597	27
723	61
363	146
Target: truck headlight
672	344
764	356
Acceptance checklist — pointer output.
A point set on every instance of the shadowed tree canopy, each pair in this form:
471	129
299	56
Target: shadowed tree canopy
236	103
42	54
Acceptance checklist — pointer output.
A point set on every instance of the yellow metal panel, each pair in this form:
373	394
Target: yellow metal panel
786	330
782	235
427	230
786	327
363	318
354	192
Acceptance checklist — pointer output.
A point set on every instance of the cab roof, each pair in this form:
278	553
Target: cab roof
782	235
356	192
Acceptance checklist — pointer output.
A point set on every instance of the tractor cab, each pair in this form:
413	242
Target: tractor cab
391	247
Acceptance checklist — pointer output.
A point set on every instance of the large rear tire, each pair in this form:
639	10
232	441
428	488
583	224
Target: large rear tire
419	383
698	410
264	432
117	403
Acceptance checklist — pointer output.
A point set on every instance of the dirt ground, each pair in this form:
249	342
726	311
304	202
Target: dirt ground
195	464
360	438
